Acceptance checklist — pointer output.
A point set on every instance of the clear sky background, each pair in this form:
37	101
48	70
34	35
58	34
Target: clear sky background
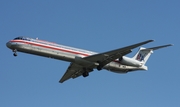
97	25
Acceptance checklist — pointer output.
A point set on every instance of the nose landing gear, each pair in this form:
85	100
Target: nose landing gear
15	54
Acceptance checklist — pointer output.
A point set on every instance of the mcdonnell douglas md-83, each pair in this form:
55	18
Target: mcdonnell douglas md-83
82	61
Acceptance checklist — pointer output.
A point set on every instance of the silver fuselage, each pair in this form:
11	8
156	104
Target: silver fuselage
61	52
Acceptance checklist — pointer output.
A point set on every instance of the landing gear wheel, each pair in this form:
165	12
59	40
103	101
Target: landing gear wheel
99	68
15	54
85	74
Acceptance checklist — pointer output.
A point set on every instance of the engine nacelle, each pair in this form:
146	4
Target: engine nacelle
130	62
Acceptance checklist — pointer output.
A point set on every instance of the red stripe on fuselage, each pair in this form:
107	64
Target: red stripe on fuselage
50	47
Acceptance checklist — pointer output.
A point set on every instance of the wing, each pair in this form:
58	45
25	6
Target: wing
106	57
75	70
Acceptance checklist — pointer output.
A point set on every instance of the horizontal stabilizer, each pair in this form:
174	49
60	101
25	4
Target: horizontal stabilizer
157	47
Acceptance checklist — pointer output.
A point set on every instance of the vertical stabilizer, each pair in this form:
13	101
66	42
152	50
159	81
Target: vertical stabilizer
144	53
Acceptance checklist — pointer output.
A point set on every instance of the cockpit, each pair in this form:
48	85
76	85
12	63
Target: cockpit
22	38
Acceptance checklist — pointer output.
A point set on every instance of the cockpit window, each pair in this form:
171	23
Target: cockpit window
17	38
21	38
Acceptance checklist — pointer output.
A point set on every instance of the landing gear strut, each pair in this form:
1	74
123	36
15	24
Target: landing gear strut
15	54
99	67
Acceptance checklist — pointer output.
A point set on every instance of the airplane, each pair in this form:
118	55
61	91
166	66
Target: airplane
82	62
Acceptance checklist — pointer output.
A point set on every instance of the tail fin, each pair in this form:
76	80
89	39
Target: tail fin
144	53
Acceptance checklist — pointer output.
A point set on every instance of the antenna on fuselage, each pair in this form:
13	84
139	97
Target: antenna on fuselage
37	38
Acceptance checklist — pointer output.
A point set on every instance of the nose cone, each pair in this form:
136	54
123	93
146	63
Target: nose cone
8	44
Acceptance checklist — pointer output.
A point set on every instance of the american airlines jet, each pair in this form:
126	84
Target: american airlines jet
82	62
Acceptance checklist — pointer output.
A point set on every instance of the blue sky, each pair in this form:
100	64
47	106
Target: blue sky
97	25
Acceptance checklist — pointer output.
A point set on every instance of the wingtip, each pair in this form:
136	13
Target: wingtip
148	41
151	40
171	44
61	81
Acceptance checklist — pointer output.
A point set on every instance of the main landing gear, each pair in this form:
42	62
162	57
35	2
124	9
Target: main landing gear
15	52
99	67
85	73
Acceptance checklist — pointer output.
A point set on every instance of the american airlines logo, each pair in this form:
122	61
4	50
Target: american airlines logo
140	57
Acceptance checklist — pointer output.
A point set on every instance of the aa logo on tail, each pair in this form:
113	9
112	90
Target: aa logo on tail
140	57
